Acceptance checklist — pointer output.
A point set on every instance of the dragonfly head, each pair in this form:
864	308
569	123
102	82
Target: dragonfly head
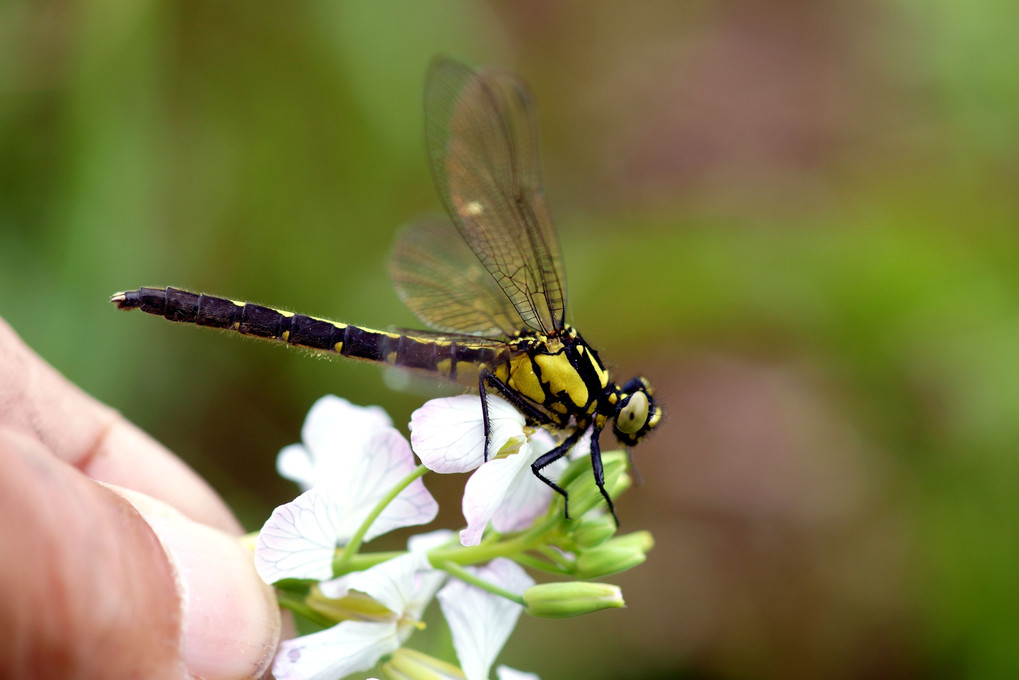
636	412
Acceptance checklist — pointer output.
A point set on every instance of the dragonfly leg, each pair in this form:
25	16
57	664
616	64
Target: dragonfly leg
552	456
599	472
530	411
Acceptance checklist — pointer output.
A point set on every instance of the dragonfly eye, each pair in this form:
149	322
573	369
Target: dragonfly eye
632	414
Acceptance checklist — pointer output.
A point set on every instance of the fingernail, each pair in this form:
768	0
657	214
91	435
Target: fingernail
230	617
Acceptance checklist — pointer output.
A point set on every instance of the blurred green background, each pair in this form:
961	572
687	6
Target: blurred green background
798	219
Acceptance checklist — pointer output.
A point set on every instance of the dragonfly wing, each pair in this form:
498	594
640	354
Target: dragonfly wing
482	138
445	285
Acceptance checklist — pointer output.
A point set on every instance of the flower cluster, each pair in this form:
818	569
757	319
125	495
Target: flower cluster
360	481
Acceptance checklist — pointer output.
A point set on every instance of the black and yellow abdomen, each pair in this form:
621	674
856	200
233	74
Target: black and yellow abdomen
447	358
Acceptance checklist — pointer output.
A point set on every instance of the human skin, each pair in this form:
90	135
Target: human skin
116	559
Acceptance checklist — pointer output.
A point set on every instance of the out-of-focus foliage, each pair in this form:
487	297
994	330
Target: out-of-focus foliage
798	219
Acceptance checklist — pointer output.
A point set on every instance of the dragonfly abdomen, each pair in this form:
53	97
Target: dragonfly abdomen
445	358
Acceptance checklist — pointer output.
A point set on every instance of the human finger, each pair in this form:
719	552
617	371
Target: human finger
110	583
38	401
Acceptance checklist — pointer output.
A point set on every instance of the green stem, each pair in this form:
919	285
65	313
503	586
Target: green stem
554	556
459	572
534	563
341	562
361	562
299	606
486	552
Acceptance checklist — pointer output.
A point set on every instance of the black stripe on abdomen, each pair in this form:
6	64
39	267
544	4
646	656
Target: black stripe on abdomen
246	318
422	354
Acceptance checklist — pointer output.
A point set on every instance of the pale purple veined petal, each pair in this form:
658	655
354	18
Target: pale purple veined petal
489	490
388	461
528	497
448	434
347	647
480	621
300	537
404	585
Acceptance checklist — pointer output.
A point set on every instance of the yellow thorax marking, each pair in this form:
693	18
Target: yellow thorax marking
560	376
523	379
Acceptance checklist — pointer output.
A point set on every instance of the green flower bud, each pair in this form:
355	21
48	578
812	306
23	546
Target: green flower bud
578	481
410	664
618	554
636	540
591	532
571	598
354	605
607	559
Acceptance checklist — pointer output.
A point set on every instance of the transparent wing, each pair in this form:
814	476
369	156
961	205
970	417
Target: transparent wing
462	339
482	139
444	284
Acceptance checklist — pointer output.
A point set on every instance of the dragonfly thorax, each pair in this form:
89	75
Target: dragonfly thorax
566	378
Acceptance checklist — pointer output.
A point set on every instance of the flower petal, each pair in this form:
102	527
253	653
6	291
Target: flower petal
480	621
449	435
507	673
347	647
388	461
332	420
293	462
405	585
528	497
300	538
422	543
334	433
583	446
487	490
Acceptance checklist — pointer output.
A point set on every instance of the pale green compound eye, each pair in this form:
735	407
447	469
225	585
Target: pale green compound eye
633	415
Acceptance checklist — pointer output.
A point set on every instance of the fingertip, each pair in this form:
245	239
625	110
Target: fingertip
88	587
231	619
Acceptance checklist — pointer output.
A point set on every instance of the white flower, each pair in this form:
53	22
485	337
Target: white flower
480	621
507	673
448	435
334	433
353	460
403	585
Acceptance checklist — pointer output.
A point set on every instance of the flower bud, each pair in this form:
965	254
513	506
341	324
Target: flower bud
591	532
353	605
571	598
636	540
580	486
608	559
409	664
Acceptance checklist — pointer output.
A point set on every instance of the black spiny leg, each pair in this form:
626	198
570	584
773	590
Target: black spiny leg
599	472
530	412
554	455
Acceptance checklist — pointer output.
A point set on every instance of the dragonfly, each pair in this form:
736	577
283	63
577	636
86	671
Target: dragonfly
489	283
